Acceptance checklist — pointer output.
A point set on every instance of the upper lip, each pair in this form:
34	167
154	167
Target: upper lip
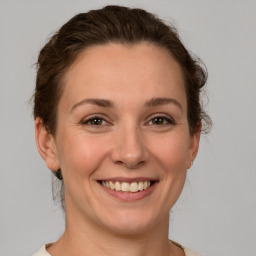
129	180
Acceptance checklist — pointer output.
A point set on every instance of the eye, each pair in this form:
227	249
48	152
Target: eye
94	121
161	121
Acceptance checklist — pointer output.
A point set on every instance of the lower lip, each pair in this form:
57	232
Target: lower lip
130	196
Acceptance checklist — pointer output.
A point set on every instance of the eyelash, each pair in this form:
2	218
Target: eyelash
167	121
91	119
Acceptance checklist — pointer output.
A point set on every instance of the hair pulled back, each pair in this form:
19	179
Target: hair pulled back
111	24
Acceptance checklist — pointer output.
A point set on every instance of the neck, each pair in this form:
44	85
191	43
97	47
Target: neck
84	238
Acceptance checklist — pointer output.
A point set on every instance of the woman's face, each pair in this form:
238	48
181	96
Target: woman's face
122	140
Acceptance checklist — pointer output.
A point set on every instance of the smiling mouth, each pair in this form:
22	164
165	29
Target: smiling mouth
127	187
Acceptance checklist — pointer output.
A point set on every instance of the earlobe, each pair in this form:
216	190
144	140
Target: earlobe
46	145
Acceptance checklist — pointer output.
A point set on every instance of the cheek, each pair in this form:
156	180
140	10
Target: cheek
172	153
81	155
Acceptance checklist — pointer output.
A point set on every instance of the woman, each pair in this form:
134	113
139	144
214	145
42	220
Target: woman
118	121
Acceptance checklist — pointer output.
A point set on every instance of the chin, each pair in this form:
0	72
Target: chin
127	229
131	223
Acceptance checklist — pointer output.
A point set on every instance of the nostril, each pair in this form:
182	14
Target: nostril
130	164
119	162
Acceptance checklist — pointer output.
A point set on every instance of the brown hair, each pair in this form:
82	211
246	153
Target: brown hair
112	24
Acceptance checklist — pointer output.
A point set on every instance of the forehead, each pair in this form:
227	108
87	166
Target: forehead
143	70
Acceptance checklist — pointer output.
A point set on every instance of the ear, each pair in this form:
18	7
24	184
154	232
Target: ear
194	145
46	145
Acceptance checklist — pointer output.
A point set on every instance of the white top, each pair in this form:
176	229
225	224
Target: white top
43	252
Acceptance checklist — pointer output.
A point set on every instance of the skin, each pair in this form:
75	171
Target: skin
125	141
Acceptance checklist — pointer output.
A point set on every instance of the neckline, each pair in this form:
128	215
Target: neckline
46	246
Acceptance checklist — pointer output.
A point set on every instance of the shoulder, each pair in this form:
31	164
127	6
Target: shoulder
42	251
189	252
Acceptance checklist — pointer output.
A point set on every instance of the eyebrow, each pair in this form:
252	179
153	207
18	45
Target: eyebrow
163	101
97	102
108	103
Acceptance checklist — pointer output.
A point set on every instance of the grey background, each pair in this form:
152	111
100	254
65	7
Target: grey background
216	212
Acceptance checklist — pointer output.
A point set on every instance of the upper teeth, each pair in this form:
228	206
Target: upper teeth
125	186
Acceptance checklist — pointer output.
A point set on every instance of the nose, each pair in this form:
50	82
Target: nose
129	148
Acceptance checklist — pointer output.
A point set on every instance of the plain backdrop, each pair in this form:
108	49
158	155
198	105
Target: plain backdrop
217	210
